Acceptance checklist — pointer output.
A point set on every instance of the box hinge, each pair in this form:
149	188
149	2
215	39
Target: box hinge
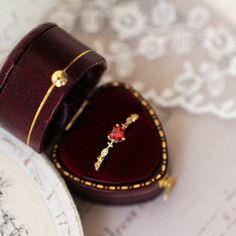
167	183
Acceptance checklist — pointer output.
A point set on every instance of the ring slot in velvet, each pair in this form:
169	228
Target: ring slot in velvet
26	77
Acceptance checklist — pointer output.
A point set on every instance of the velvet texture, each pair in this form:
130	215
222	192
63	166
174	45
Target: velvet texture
133	160
26	77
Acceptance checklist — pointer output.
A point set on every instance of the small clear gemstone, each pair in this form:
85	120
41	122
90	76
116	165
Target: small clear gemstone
104	152
129	120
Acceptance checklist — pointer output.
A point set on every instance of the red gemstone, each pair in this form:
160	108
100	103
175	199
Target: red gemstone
117	134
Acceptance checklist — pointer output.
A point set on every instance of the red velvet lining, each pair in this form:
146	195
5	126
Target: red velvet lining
131	161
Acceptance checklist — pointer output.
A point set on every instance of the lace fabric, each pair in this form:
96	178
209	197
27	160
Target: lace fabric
176	54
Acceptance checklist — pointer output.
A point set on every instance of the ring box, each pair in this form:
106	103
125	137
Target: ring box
70	123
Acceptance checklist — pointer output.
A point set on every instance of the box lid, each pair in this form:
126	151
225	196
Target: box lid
35	102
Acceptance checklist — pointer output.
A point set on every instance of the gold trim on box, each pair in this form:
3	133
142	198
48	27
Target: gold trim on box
162	172
59	79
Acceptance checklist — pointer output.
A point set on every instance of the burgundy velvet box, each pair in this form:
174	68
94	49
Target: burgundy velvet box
65	116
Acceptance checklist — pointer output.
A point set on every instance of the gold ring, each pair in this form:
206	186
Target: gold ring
117	135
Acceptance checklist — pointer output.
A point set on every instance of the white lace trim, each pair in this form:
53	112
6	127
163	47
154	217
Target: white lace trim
135	34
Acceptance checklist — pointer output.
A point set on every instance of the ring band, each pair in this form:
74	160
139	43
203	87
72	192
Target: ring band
115	136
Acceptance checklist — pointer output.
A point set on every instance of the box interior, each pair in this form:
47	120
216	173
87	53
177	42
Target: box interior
133	160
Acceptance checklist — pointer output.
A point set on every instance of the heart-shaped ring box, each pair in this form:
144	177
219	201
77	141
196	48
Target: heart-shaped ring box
66	117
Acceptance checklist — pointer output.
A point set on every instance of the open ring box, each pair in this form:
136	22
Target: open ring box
70	123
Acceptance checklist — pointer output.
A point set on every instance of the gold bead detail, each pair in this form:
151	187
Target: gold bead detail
59	78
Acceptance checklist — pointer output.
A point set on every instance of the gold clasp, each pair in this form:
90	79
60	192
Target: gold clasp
167	183
59	78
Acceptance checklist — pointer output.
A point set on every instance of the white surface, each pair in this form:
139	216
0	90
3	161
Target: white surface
19	195
35	195
226	8
202	147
